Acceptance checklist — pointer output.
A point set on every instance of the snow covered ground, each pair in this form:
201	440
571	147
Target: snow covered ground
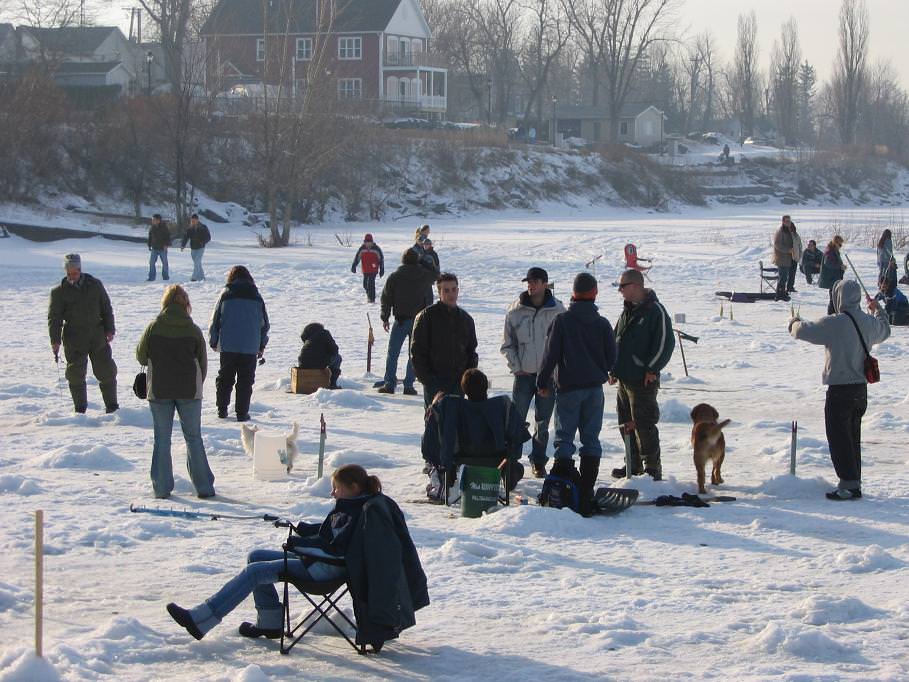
781	584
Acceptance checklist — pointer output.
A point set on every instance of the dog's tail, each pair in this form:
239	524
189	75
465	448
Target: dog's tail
296	432
722	424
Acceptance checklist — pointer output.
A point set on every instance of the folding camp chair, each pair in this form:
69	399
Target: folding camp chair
769	276
328	593
633	261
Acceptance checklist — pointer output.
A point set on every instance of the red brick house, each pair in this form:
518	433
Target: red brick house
373	50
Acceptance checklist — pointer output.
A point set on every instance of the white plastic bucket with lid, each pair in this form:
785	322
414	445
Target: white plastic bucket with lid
270	456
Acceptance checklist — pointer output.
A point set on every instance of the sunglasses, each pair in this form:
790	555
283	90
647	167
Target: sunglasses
625	284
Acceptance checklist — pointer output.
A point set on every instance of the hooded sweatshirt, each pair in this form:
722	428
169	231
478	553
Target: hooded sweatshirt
844	361
582	345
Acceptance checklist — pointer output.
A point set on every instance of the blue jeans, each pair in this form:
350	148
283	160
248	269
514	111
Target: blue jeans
783	272
523	391
162	473
198	272
400	332
580	410
153	257
262	571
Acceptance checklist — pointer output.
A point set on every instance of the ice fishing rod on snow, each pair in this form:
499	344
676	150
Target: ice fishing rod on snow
212	516
858	279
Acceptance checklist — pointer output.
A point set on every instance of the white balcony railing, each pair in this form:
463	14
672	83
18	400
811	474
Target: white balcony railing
421	102
413	59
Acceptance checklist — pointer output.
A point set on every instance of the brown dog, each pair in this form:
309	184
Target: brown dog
708	443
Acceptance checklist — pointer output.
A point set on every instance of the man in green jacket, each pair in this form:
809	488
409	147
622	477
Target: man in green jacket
80	314
645	339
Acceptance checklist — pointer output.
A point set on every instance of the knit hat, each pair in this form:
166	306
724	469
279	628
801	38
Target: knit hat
584	283
72	260
368	237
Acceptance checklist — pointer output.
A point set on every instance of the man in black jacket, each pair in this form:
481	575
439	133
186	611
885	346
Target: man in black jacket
444	342
158	241
198	236
406	292
582	345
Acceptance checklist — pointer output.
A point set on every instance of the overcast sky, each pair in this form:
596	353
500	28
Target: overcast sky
817	20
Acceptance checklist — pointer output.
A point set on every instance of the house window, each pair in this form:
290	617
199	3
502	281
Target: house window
304	49
623	128
350	48
350	88
260	49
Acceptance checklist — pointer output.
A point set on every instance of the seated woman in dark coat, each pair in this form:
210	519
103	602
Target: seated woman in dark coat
320	351
474	430
896	305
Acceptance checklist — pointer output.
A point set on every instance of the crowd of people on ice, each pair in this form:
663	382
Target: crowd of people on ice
560	357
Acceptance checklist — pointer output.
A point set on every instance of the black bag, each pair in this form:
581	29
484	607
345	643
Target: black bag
140	385
872	370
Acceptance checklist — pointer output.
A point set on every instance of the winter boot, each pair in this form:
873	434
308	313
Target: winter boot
590	469
249	630
109	394
80	398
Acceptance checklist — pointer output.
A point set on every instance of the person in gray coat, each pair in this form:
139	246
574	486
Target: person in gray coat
844	376
523	344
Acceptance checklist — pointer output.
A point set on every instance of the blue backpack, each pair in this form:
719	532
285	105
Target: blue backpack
559	492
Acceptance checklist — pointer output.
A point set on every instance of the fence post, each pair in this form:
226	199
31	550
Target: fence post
39	583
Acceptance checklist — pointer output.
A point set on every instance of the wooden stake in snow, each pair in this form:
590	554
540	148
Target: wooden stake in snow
370	339
792	446
39	582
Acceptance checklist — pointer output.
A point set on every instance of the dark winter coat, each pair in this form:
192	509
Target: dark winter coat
174	350
831	268
645	339
239	322
581	344
811	261
319	347
457	428
80	314
159	236
197	237
896	306
333	536
444	343
386	579
406	292
430	261
370	255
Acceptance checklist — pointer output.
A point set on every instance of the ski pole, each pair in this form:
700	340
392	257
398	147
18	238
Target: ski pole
213	516
322	436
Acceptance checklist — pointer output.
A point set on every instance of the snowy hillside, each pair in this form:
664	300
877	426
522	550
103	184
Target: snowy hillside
780	584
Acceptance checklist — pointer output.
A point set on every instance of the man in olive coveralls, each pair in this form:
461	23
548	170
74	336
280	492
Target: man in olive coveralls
81	315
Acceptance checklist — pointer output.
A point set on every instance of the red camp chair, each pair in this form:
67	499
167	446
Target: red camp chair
633	261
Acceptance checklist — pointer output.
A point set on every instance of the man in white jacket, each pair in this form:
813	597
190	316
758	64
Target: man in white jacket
847	337
526	325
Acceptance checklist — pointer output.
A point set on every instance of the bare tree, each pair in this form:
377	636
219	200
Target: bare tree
589	30
632	28
746	79
690	65
850	74
499	22
784	73
457	36
705	51
547	35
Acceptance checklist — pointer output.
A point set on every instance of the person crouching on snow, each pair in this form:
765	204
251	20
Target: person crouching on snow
320	351
352	488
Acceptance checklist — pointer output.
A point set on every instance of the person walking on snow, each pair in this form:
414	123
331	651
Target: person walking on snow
239	332
372	262
845	335
81	316
582	346
645	339
407	291
197	235
158	242
523	344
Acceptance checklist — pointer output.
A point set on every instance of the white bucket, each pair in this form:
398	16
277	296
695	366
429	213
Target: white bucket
268	451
